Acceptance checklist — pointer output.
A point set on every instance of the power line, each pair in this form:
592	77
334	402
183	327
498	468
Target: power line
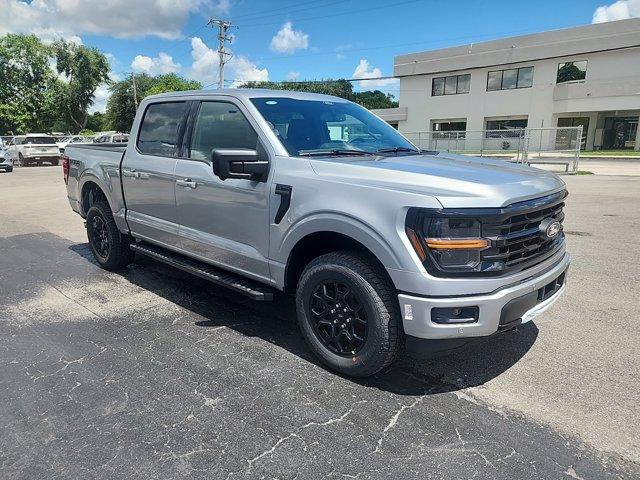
380	7
289	9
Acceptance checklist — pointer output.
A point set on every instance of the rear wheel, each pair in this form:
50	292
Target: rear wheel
348	313
55	162
110	248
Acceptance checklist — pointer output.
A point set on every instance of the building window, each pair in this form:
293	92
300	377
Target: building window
449	129
451	85
570	71
510	79
505	128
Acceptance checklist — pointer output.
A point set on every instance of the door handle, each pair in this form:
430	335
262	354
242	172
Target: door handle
187	183
131	173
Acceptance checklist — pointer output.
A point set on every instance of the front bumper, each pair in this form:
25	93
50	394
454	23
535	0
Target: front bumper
416	311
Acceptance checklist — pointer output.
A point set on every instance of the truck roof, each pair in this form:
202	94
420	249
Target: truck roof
248	93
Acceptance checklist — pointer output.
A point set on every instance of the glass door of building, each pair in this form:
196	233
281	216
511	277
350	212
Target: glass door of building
619	133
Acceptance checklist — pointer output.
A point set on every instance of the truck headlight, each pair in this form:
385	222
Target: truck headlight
453	244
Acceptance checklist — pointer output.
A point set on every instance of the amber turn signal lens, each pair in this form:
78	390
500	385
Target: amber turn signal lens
417	245
457	244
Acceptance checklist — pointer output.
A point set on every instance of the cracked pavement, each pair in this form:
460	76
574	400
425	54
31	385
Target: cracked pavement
151	373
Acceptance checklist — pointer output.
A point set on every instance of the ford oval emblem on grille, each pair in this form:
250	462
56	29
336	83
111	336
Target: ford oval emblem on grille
550	228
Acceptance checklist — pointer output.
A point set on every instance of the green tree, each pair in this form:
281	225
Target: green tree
121	107
339	88
28	87
85	69
97	122
375	99
171	83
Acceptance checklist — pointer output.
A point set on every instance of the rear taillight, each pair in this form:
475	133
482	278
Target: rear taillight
65	168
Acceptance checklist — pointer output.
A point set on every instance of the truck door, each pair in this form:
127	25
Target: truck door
148	173
223	222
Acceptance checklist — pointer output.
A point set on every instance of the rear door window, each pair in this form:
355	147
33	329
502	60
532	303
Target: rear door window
160	128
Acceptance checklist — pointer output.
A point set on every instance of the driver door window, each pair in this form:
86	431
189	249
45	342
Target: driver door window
220	125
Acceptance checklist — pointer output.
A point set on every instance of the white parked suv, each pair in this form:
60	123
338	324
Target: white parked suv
33	148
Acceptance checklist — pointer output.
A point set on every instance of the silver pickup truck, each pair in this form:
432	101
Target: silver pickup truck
385	246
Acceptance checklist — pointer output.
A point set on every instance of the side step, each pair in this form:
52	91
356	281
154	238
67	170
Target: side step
250	288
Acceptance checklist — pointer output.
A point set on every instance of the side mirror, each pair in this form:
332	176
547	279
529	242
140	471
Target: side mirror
245	164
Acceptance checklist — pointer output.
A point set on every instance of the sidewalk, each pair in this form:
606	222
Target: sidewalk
610	166
598	166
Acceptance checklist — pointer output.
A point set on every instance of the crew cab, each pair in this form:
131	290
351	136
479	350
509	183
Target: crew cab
383	245
33	148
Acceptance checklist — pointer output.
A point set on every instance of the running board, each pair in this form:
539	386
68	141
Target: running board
250	288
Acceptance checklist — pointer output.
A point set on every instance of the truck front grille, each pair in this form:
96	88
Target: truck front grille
516	238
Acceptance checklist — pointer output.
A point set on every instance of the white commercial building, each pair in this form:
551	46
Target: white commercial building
587	76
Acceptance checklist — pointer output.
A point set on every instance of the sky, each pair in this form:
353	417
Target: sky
289	39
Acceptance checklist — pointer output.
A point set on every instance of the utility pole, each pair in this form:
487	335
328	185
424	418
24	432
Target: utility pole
135	90
223	26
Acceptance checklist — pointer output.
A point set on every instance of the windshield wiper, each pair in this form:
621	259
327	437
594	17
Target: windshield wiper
397	149
337	152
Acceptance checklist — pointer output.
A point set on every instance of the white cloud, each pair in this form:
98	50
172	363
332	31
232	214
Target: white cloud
288	40
365	70
205	66
117	18
102	94
159	65
620	10
291	76
100	98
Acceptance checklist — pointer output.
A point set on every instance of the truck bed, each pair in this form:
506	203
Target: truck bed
99	163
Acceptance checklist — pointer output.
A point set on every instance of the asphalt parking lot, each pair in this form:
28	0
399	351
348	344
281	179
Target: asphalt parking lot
150	373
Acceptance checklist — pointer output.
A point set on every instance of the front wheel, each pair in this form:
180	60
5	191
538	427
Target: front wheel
110	248
348	313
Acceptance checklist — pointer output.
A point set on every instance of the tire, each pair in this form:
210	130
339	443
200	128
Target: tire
110	248
368	286
55	162
10	169
39	163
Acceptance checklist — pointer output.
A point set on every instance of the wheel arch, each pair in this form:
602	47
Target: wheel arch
91	192
320	236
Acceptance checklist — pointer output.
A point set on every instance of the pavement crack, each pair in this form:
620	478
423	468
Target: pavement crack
394	419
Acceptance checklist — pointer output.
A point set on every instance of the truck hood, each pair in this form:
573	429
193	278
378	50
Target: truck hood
456	181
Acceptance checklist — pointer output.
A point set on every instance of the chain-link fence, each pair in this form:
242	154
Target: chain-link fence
535	146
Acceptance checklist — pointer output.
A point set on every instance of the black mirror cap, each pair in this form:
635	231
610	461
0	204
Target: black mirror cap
239	163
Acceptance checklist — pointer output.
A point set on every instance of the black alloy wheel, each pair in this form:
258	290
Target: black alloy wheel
99	236
339	318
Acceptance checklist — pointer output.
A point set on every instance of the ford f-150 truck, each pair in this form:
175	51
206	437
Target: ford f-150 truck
385	246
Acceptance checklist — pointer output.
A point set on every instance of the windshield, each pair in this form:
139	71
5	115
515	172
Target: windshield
39	141
316	126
